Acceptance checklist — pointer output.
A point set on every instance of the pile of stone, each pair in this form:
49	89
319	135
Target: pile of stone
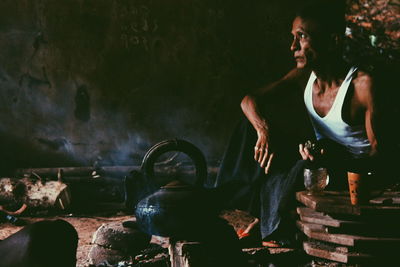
117	244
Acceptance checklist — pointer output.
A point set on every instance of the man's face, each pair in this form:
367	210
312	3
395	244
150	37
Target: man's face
304	45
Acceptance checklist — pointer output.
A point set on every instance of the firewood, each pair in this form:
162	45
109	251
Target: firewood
35	193
107	170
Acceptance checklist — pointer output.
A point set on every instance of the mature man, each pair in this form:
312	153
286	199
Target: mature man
340	105
338	98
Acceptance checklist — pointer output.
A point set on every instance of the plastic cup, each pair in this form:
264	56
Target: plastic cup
358	188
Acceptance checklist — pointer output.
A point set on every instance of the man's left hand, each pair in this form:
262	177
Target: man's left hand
306	153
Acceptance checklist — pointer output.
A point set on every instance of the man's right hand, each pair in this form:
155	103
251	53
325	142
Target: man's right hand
262	153
293	81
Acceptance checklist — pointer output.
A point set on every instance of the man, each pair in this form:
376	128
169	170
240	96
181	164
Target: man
316	48
340	104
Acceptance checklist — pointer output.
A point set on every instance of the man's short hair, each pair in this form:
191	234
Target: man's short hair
328	14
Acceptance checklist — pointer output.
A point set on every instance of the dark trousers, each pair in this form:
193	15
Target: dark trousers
268	197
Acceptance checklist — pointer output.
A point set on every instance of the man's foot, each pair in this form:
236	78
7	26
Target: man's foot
283	243
251	236
242	233
271	244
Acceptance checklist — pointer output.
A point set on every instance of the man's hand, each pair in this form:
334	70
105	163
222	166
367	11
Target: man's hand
262	153
309	151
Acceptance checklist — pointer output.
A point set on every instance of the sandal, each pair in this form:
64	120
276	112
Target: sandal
241	233
281	243
271	244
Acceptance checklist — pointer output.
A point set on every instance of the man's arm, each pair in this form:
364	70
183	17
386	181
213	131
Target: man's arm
364	89
251	108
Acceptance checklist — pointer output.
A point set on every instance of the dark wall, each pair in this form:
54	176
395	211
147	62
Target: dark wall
102	80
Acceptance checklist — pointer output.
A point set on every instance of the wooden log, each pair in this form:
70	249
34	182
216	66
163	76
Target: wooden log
35	193
76	171
106	170
347	255
387	198
339	203
334	254
310	216
319	232
186	254
366	227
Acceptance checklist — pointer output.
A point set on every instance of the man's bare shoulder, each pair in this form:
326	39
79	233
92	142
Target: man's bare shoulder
363	81
363	86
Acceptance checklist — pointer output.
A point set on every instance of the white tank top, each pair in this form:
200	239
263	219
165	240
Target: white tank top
332	126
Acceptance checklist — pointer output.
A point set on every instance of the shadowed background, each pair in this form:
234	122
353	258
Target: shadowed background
101	81
98	82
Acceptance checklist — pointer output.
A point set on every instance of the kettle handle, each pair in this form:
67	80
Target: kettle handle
189	149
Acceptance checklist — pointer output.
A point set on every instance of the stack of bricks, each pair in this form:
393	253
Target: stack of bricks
338	231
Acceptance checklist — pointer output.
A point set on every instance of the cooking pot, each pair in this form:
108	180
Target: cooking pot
177	208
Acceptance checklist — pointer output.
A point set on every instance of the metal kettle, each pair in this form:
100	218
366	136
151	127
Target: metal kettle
177	208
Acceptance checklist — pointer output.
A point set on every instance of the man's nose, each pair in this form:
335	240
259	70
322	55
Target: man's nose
295	45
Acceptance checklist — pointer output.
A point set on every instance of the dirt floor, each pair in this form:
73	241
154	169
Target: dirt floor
85	227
